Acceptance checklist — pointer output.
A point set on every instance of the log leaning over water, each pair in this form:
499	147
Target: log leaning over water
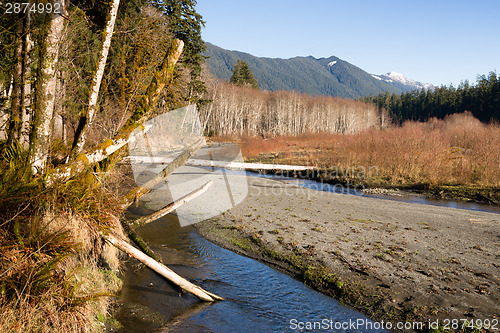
161	269
128	227
173	164
171	206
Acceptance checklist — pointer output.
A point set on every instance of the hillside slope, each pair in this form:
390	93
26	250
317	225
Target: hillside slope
325	76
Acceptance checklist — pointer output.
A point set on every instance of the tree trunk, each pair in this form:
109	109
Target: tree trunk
17	82
87	117
162	77
26	109
161	269
45	92
171	206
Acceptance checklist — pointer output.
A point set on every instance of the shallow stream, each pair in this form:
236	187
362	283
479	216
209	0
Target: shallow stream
258	298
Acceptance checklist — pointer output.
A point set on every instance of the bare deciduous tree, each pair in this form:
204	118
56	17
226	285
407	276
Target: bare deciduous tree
245	111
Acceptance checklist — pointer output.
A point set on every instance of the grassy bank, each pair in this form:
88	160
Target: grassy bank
457	157
56	274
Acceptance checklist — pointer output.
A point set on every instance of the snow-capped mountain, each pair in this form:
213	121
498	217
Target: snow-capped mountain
402	82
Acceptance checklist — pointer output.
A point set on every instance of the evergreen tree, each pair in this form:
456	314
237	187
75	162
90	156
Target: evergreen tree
185	24
483	100
243	76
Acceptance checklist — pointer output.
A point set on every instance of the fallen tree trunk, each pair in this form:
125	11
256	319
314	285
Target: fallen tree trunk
161	269
173	165
224	165
128	227
171	206
129	230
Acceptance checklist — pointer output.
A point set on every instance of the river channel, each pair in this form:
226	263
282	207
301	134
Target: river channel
258	298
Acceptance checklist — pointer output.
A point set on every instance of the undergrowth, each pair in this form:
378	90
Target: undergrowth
55	271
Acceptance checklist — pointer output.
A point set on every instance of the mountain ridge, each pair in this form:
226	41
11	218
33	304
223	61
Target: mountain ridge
330	76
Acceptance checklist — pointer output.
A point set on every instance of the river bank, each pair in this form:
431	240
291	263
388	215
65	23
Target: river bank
391	260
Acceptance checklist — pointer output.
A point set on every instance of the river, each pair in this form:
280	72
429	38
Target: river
258	298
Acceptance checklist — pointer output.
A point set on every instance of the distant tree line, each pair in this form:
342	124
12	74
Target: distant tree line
482	100
243	110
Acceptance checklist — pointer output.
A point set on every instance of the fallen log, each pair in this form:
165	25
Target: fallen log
171	206
173	165
161	269
222	164
141	243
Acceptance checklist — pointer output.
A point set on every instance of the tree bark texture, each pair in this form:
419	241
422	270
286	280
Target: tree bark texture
161	269
41	128
163	76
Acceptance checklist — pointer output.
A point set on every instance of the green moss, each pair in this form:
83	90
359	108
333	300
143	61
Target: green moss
83	158
107	143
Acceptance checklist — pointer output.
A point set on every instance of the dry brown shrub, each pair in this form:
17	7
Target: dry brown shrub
456	150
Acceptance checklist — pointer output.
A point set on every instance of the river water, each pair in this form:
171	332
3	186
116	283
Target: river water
258	298
405	197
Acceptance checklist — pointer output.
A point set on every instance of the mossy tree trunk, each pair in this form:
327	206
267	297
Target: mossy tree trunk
41	129
162	77
87	117
17	83
27	79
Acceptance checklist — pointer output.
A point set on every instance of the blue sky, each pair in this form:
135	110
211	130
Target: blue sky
436	41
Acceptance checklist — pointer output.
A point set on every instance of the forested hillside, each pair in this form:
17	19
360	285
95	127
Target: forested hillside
326	76
481	99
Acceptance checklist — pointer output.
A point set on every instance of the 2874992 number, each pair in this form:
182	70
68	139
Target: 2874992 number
26	7
472	324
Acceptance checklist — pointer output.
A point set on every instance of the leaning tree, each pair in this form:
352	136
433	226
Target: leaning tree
37	130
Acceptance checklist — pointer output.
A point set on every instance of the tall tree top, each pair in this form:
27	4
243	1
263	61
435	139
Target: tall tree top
243	76
185	24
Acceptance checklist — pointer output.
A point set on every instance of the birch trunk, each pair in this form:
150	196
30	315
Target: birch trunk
87	117
161	78
17	82
45	92
26	109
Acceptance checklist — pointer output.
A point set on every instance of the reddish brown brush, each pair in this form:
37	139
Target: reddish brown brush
458	150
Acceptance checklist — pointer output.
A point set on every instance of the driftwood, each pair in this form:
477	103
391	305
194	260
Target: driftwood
128	227
224	165
171	206
161	269
141	244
